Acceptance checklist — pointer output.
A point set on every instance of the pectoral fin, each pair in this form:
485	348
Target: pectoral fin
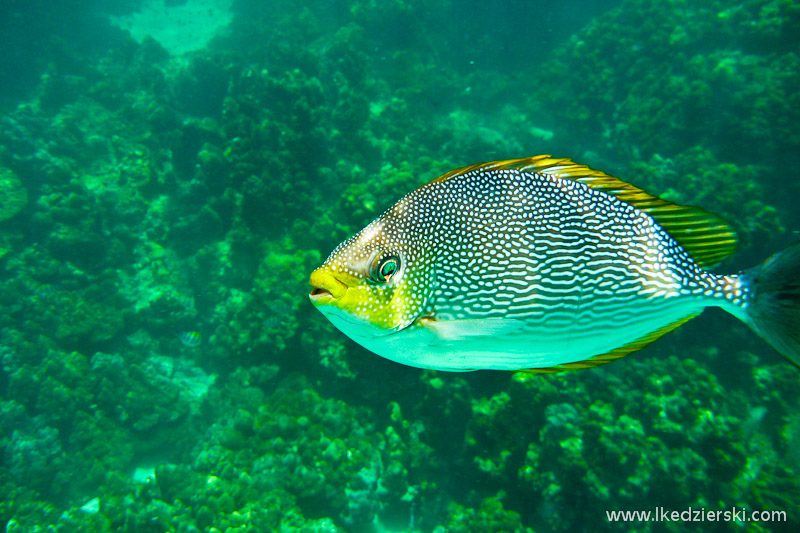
453	330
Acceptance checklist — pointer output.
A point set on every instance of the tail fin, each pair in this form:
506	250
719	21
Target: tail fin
774	310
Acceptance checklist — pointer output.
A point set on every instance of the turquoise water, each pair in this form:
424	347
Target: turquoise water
172	171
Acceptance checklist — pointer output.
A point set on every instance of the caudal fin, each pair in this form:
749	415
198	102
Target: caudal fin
774	309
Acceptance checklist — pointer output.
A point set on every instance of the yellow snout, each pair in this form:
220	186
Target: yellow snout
326	285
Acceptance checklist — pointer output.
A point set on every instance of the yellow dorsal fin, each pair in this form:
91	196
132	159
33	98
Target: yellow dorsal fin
613	355
705	236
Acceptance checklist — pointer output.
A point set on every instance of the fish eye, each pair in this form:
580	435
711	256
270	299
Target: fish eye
384	268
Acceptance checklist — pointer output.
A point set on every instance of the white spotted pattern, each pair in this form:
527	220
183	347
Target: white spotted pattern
570	263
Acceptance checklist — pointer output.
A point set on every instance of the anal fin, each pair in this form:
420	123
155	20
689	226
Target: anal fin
613	355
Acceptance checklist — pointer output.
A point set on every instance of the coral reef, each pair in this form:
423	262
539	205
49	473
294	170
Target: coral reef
151	189
13	196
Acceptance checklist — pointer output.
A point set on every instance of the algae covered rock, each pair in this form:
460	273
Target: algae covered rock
13	196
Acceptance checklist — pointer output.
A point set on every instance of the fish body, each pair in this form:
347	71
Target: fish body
535	263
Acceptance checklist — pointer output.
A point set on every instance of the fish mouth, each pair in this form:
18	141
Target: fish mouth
318	293
326	286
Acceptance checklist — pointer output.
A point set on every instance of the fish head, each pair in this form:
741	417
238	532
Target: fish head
374	284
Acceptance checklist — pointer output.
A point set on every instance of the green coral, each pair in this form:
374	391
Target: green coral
489	516
13	196
696	177
196	194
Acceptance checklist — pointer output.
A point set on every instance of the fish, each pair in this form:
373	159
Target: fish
192	339
278	312
541	264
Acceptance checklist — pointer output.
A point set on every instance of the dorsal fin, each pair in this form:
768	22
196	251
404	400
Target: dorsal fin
613	355
705	236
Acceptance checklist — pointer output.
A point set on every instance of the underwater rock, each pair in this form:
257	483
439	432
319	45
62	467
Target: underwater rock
158	395
365	492
33	454
85	319
92	506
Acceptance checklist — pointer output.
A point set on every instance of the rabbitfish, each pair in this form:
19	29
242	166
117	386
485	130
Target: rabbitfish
542	264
